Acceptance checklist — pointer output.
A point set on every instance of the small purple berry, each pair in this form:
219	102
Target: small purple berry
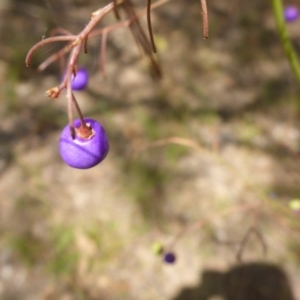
169	258
84	153
291	13
80	81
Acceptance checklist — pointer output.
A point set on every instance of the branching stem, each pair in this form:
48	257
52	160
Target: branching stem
44	42
285	39
75	43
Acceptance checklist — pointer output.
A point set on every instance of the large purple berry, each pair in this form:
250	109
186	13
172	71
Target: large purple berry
80	81
169	258
84	153
291	13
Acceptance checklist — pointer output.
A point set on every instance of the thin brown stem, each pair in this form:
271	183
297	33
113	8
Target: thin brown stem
245	240
85	49
70	104
141	37
96	16
150	25
44	42
126	23
54	57
68	47
76	40
67	82
78	110
205	18
135	37
136	28
116	10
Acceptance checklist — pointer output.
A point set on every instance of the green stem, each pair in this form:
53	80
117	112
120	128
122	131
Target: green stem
285	39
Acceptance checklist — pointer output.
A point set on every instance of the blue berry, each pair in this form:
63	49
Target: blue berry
80	81
169	258
88	148
291	13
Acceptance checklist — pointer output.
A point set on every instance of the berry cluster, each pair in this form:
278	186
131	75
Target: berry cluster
88	146
83	145
168	257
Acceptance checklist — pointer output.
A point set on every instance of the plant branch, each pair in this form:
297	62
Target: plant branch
38	45
205	18
285	39
150	25
127	22
87	32
77	42
54	57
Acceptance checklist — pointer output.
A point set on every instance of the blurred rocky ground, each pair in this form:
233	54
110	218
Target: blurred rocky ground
199	160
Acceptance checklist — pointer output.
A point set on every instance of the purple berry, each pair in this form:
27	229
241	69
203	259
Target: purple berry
84	153
169	258
80	81
291	13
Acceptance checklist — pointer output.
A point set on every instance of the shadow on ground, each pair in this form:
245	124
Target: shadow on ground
259	281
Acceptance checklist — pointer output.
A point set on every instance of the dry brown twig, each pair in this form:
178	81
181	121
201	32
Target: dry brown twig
205	18
255	232
77	43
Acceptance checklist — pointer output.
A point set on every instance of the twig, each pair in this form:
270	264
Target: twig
245	240
150	25
141	38
116	10
76	40
205	18
70	37
44	42
85	49
54	57
126	23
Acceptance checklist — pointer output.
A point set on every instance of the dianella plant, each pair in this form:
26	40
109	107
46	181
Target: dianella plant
83	143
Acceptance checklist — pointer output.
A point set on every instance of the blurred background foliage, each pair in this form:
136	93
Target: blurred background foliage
212	148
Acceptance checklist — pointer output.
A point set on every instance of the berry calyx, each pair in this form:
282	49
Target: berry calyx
88	148
169	258
291	13
85	131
